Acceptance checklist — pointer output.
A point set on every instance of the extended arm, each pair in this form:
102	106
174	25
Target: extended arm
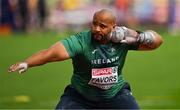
57	52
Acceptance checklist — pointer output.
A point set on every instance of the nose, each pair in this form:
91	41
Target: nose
97	29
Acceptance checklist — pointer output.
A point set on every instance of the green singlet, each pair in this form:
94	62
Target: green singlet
97	71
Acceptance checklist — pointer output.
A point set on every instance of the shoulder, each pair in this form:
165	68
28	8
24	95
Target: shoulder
84	37
81	36
77	43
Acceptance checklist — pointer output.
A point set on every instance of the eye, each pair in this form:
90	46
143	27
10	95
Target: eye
103	26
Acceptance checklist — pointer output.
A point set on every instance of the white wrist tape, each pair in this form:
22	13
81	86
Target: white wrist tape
23	67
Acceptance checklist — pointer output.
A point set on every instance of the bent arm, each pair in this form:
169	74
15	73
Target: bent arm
152	42
147	40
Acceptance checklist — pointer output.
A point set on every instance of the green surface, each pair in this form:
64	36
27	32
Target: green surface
154	75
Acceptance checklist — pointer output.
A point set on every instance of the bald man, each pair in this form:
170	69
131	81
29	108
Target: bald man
98	56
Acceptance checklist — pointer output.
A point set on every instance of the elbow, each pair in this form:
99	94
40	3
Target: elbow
45	56
158	41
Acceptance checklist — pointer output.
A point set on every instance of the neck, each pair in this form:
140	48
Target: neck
105	41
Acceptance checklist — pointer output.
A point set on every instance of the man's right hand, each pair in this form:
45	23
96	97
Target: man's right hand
123	35
21	67
118	34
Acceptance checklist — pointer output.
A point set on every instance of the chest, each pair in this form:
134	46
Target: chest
105	55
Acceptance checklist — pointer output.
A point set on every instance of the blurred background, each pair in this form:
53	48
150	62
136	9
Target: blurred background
27	26
29	15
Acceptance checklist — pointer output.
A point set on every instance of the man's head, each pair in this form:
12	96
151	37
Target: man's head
104	21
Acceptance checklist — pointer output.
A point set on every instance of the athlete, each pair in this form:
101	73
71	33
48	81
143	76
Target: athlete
98	56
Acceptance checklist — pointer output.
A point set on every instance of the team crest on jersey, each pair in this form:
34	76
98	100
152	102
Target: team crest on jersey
104	78
94	51
113	49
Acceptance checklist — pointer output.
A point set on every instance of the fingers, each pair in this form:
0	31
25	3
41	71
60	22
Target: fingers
20	67
123	41
14	67
129	40
117	34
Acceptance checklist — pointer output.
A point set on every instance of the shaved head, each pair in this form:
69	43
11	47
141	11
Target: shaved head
107	15
104	21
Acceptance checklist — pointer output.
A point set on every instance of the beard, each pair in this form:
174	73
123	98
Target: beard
99	37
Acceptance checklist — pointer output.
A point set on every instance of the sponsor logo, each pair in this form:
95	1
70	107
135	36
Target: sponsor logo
113	49
104	78
101	72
